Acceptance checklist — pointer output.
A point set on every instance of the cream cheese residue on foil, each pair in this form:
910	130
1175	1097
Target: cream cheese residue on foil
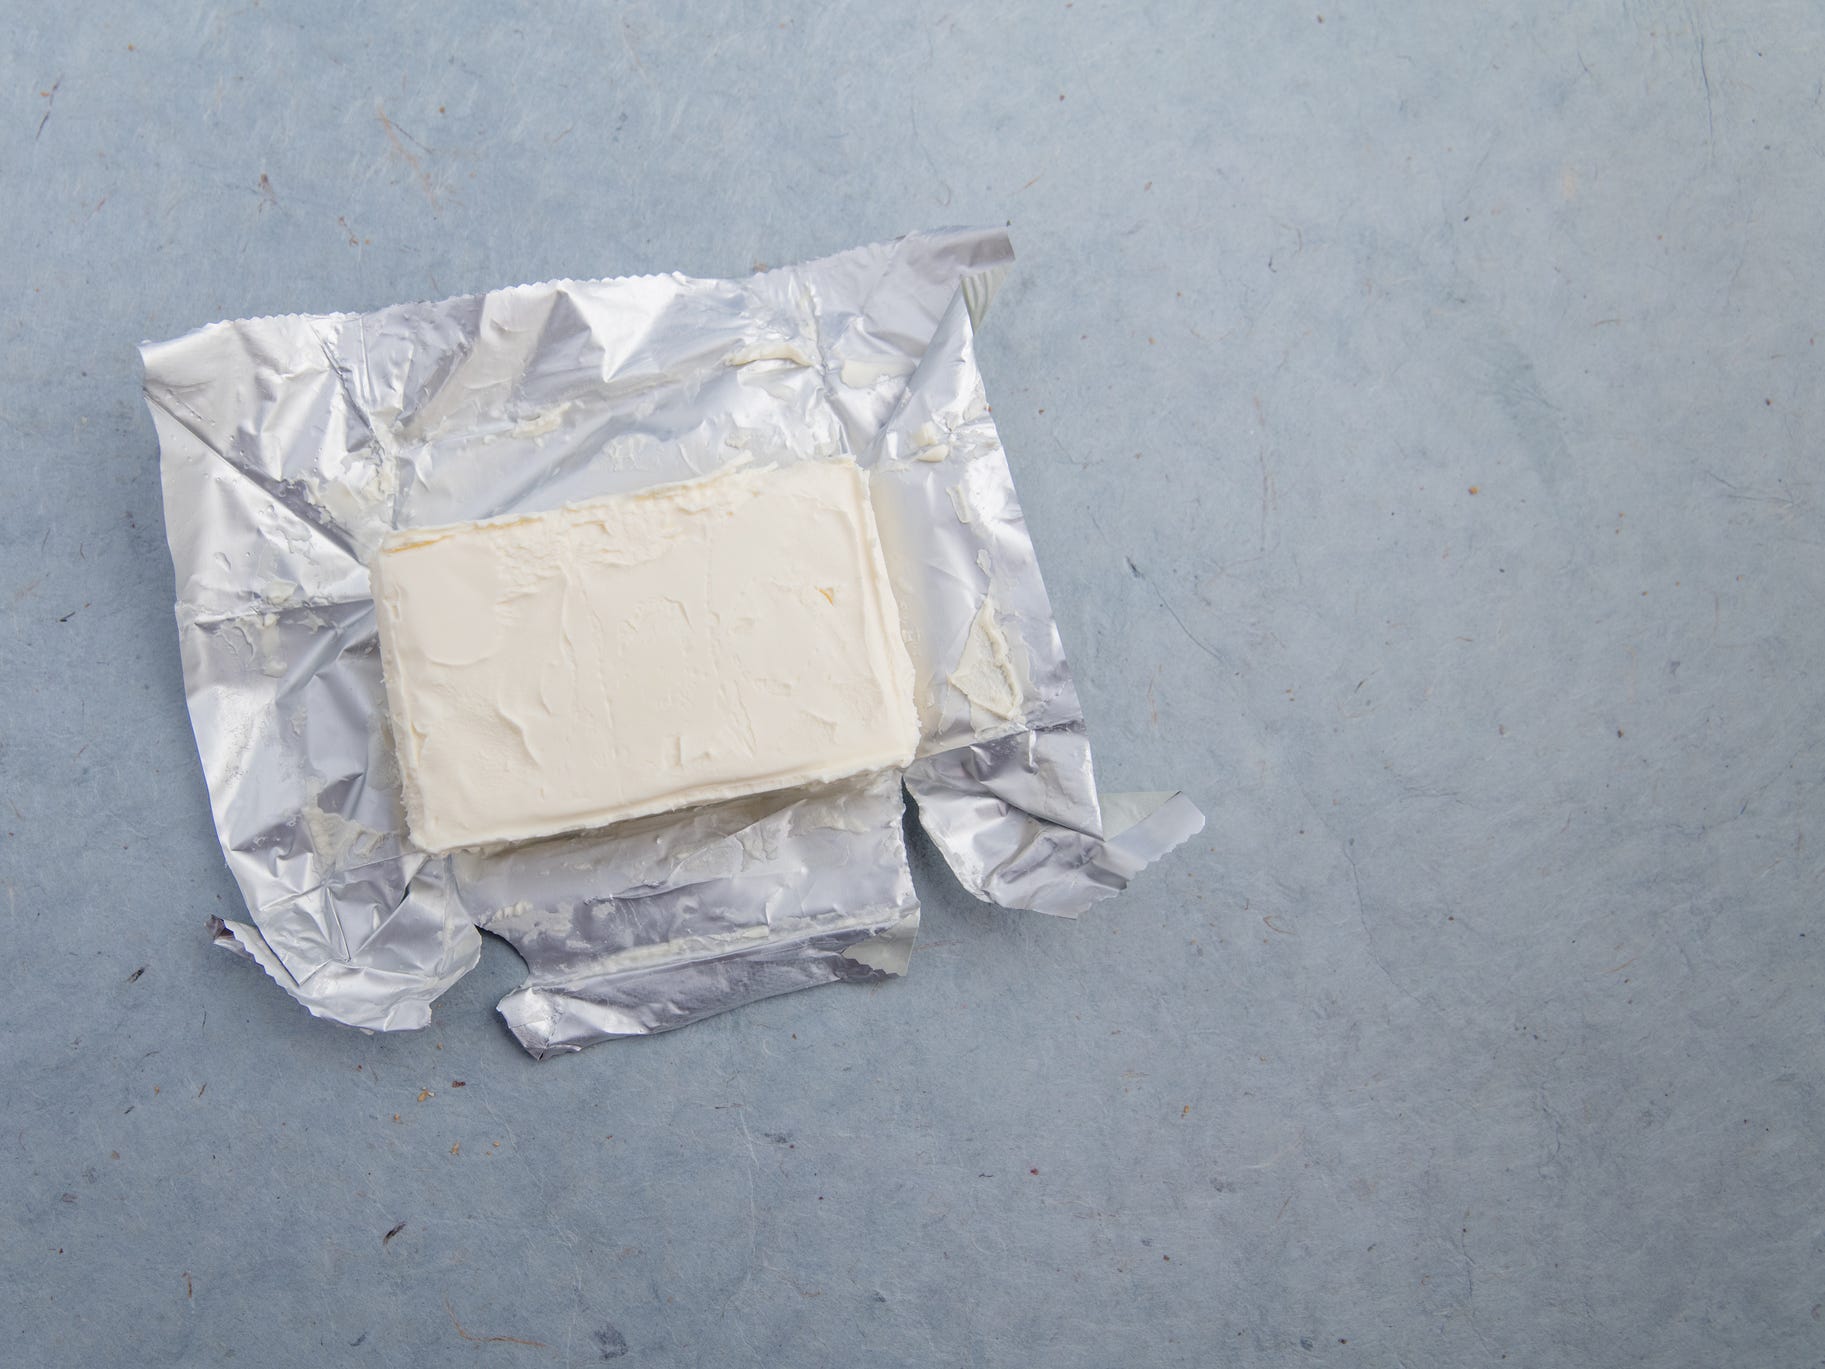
339	842
960	502
272	659
602	661
865	374
539	425
985	673
771	349
359	498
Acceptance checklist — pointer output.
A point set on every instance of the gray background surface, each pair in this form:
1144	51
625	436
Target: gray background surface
1416	411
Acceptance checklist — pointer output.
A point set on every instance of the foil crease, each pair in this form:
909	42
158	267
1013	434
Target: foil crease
290	446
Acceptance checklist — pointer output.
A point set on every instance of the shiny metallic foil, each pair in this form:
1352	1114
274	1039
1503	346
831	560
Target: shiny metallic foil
290	446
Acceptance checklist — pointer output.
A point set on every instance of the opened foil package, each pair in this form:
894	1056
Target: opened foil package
294	450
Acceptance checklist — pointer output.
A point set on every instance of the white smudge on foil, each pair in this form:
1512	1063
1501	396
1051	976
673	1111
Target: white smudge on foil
985	672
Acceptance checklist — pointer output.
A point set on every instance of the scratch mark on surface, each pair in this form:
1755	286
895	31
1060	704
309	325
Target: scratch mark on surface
50	103
387	1239
1786	500
633	53
1368	936
1190	636
1270	499
394	136
1296	1143
1704	75
488	1340
753	1211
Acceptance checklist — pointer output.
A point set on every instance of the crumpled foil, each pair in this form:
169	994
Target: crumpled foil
290	446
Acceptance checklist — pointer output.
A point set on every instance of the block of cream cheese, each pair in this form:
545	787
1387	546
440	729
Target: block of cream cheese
641	653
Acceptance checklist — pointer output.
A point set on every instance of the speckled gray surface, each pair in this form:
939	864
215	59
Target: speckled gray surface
1416	412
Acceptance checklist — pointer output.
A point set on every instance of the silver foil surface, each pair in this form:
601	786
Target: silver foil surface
290	446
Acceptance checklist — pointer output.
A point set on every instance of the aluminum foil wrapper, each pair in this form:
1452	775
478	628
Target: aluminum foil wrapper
290	446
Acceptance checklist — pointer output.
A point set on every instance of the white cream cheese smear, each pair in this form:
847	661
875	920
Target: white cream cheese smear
639	654
985	673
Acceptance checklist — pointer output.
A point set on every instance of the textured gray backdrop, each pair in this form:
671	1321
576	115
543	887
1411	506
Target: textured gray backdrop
1417	411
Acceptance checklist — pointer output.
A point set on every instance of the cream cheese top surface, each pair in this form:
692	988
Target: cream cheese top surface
633	655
